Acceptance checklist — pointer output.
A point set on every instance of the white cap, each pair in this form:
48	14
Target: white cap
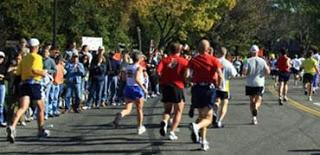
2	54
101	48
34	42
254	48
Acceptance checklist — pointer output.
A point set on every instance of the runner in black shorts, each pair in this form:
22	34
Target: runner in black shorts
223	91
204	67
255	69
172	71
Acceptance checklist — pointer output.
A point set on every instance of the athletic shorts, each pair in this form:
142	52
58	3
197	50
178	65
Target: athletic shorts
308	78
274	72
222	95
172	94
133	93
295	71
31	90
203	96
284	76
251	91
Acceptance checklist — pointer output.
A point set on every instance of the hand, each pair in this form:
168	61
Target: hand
45	72
145	91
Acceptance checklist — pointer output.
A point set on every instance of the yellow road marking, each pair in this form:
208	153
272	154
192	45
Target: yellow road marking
296	104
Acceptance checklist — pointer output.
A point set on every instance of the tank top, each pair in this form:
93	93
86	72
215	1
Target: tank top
282	64
130	74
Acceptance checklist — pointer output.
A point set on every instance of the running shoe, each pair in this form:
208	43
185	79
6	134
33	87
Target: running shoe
220	125
172	136
205	145
163	128
117	120
44	133
310	98
194	132
280	101
141	130
254	120
11	134
285	99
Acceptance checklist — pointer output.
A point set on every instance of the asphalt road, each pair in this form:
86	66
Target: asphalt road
288	129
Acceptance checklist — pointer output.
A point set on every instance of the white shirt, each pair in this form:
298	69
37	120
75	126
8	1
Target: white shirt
255	72
229	71
296	63
131	71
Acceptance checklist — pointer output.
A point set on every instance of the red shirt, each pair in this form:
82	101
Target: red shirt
204	67
172	70
282	64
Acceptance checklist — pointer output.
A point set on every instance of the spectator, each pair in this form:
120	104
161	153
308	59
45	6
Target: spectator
75	71
3	74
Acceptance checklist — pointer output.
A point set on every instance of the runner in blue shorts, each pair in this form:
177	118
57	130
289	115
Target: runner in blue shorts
134	92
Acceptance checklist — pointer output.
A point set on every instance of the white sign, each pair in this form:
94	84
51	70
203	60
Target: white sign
92	42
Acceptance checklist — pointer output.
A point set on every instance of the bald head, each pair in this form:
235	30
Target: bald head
203	46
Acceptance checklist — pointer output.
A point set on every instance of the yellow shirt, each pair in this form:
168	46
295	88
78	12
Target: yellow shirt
30	62
309	66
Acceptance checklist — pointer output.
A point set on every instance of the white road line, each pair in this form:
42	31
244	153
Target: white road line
317	103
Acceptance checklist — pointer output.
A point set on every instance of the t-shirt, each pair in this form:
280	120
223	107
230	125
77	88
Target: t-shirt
204	68
58	75
309	66
171	70
30	62
255	72
296	63
228	72
273	64
282	64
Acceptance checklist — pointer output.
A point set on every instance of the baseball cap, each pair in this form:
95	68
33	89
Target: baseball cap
75	55
34	42
254	48
2	54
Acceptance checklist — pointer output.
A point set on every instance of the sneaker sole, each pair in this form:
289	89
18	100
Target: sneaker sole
193	134
162	129
10	138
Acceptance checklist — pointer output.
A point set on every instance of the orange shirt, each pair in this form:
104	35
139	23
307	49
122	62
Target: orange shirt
58	76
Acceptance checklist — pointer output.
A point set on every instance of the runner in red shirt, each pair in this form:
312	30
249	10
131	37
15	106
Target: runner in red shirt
172	71
206	76
284	67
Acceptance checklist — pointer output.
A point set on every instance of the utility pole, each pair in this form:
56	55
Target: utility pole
54	24
139	38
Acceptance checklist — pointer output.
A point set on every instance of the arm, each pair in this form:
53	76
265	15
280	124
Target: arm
138	74
53	68
267	69
220	76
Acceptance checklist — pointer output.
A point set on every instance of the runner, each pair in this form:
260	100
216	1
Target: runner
206	74
255	69
310	67
274	69
284	66
296	64
31	71
134	92
224	89
172	71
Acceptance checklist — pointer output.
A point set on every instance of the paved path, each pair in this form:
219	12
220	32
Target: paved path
281	130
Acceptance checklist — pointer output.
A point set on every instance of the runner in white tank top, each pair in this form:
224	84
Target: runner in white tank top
134	92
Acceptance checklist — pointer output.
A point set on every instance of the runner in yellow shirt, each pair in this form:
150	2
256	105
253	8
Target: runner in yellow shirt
31	71
310	67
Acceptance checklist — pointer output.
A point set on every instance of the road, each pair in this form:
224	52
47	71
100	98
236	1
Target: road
287	129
